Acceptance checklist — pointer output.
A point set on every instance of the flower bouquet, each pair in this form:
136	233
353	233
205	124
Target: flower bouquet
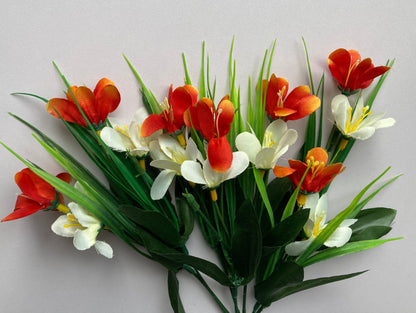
191	159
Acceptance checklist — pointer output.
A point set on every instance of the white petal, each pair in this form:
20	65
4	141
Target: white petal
318	213
213	178
167	164
192	151
239	165
85	239
161	184
155	152
358	111
82	215
265	159
339	107
58	227
104	249
116	140
192	172
170	145
309	227
348	222
311	201
140	115
363	133
385	122
277	129
297	247
249	144
339	237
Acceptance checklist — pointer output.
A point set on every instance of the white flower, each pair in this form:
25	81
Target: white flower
84	227
276	141
316	223
121	138
203	174
359	125
168	154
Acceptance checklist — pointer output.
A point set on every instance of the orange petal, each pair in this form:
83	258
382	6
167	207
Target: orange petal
305	106
107	100
33	186
355	57
318	154
339	63
193	92
369	75
24	206
292	100
225	115
275	86
151	124
86	100
205	116
282	171
66	109
180	100
220	155
282	112
66	177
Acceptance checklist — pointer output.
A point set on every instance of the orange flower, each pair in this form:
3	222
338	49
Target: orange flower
318	176
299	103
36	194
96	105
171	119
214	125
352	73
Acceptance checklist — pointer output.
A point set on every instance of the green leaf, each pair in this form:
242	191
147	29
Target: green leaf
372	232
277	189
262	189
286	274
349	248
246	242
174	297
155	223
186	218
373	217
308	284
287	230
204	266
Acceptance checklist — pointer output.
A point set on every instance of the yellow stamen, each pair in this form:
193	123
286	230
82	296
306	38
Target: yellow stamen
142	163
214	195
350	70
124	130
315	166
181	140
349	128
316	228
72	221
268	139
280	95
62	208
176	156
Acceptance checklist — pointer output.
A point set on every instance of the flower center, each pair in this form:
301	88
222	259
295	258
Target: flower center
124	130
352	127
280	95
268	139
72	221
317	227
315	166
176	156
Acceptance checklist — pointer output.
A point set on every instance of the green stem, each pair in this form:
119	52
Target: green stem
245	299
234	294
204	283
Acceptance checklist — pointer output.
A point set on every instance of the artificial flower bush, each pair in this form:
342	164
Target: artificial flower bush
192	159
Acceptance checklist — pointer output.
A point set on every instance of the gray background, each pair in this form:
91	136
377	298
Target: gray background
41	272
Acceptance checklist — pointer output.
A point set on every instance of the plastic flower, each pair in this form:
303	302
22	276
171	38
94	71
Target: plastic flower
298	104
214	125
84	227
359	125
276	141
204	174
96	105
127	139
168	155
318	176
36	194
316	223
171	119
352	73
